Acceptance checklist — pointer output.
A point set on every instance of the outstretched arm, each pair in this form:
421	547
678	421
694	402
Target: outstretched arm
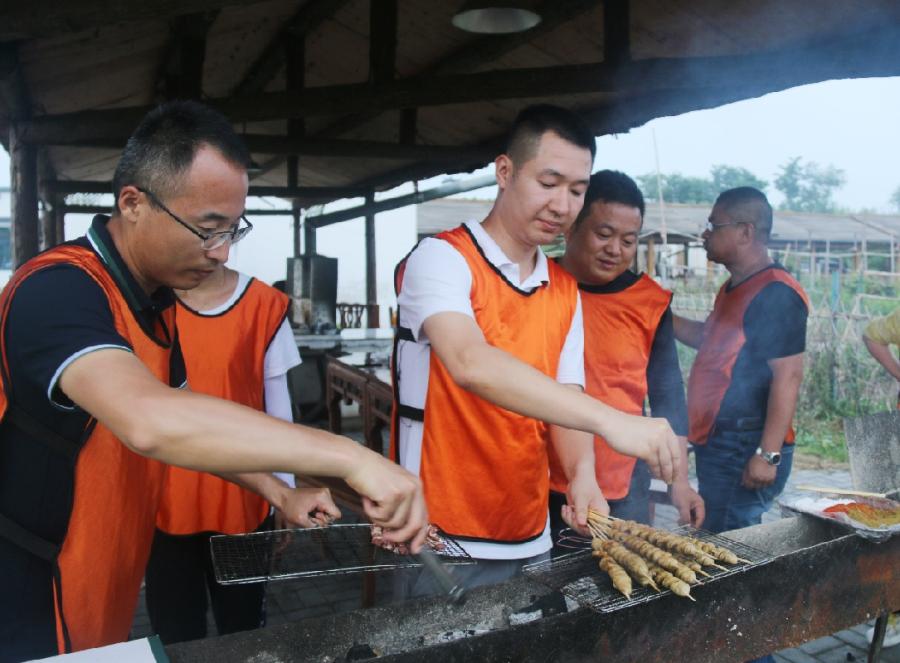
500	378
204	433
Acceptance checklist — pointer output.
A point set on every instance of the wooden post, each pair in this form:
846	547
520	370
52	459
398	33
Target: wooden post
23	199
48	228
59	216
371	273
651	257
295	213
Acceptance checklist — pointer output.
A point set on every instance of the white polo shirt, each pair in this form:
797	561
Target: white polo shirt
437	280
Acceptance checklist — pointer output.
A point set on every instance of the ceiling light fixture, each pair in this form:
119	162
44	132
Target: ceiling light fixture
495	17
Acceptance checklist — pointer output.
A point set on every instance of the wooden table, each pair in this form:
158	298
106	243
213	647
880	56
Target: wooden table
350	379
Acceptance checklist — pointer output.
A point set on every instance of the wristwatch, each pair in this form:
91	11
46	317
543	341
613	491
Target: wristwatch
771	457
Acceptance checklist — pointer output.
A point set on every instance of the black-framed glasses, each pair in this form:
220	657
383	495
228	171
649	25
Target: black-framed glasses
712	227
208	241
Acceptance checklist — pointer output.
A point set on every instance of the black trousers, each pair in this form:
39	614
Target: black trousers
178	577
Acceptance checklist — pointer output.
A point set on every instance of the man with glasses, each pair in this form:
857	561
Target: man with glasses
94	404
743	386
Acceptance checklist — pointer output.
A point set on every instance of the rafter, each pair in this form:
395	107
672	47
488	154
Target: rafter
477	52
307	19
182	71
49	18
66	187
875	53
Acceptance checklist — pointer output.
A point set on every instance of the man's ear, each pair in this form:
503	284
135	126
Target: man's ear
503	170
128	202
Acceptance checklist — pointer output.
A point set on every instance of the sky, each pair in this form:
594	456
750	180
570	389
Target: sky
853	125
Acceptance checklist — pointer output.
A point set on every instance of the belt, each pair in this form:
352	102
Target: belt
739	424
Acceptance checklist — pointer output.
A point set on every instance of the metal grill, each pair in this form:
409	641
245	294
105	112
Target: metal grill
577	575
315	552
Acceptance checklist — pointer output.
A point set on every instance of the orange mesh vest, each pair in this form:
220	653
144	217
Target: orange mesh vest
224	356
484	469
723	338
101	560
619	328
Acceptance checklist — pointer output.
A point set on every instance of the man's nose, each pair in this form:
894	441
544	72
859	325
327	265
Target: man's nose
220	253
560	203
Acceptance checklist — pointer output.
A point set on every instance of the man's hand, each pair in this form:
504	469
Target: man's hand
582	494
306	507
758	473
691	508
648	438
392	498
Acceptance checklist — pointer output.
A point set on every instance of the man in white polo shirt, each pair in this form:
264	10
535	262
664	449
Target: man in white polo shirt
474	417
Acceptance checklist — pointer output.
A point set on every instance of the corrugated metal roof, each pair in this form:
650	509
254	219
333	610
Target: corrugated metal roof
686	222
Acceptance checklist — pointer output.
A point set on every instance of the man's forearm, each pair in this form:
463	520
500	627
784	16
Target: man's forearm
266	485
781	406
689	332
883	355
574	448
500	378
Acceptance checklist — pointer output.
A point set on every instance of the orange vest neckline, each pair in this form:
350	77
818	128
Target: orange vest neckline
619	328
484	469
723	339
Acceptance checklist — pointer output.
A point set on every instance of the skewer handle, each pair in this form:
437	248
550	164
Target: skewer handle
838	491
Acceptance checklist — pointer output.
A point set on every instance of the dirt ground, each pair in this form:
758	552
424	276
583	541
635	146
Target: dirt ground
809	462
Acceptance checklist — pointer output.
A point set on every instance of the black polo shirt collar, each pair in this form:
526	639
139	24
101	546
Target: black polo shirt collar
102	243
622	282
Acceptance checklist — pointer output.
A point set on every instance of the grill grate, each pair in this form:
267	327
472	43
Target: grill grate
315	552
577	575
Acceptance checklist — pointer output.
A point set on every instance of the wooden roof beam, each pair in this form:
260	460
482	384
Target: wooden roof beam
616	31
875	53
66	187
479	51
182	71
316	147
50	18
307	19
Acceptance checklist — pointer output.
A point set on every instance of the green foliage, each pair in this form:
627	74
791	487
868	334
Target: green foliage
730	177
678	188
808	187
895	199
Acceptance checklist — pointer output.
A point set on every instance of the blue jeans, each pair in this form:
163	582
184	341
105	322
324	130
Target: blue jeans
720	466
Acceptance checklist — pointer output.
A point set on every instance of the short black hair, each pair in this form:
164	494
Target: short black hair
534	121
611	186
163	146
750	205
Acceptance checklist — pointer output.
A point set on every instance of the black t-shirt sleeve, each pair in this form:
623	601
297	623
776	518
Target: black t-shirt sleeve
665	386
55	315
775	323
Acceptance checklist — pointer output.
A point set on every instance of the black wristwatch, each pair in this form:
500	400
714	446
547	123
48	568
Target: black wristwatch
771	457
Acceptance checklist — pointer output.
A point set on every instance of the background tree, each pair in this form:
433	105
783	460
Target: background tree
730	177
895	199
808	187
678	188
